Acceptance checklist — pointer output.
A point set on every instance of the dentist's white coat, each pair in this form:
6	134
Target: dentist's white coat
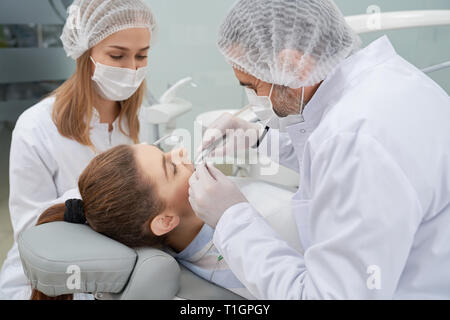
373	207
44	170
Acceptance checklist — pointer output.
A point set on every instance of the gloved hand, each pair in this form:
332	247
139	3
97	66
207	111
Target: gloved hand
241	135
211	193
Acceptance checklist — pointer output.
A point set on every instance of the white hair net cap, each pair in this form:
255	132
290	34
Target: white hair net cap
91	21
293	43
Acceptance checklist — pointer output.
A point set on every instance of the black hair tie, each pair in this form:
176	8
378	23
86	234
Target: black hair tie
74	212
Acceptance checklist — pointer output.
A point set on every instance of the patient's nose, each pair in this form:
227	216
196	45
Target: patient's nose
179	156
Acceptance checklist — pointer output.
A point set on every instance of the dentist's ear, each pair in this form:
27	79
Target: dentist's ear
164	223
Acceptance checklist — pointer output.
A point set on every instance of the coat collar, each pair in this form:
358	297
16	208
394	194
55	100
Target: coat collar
95	121
332	88
341	78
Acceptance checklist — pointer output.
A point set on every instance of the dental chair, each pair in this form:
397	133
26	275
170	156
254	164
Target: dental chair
55	254
63	258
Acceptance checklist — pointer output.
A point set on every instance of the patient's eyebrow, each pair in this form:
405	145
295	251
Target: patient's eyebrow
127	49
165	166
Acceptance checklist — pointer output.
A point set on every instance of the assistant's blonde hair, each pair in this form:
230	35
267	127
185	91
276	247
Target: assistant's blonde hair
73	108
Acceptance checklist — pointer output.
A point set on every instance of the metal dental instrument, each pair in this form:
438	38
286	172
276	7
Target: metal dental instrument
168	136
206	152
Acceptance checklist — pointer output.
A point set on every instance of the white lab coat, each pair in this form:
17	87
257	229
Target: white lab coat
44	170
373	207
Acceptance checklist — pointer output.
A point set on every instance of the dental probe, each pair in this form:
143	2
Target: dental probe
205	153
159	141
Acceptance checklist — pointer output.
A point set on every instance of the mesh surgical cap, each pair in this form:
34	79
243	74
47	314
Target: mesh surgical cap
293	43
91	21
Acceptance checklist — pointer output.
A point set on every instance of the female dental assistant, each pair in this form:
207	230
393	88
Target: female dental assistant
96	109
372	147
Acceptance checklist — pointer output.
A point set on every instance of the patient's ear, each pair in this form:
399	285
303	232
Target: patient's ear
164	222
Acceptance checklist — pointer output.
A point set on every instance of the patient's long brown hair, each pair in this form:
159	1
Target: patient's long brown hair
119	201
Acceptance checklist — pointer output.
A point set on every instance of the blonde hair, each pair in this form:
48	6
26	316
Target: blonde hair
73	108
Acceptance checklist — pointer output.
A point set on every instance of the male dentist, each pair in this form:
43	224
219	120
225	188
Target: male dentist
369	135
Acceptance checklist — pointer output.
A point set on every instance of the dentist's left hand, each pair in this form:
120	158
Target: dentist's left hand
211	193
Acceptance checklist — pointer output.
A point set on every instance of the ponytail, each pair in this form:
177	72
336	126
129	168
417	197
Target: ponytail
52	214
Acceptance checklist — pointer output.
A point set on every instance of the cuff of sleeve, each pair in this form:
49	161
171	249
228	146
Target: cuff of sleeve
235	216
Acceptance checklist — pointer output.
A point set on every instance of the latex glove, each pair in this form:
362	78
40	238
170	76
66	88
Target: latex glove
211	193
241	135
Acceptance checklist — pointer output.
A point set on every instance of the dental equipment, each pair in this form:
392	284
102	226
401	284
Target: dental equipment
174	139
383	21
437	67
206	152
168	109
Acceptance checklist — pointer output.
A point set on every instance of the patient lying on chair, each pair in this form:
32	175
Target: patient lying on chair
138	196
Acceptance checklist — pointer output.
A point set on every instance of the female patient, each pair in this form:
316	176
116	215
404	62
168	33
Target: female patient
138	196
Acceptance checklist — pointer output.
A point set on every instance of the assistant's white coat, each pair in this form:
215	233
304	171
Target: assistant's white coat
373	208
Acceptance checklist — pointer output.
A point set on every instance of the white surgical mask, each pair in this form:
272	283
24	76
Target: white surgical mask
263	108
117	84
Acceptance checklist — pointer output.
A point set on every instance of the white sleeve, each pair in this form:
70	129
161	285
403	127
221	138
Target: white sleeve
363	214
32	189
278	147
